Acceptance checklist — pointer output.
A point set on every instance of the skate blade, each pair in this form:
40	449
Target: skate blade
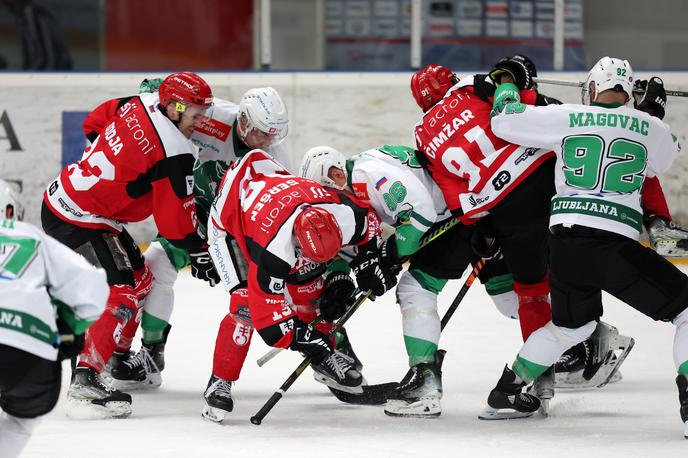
423	408
84	409
337	386
575	380
151	382
490	413
213	414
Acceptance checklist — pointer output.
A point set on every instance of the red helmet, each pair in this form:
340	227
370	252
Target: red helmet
429	85
318	234
185	87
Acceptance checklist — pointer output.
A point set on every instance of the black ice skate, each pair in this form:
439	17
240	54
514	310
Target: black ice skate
419	392
506	400
337	371
344	346
543	388
117	358
218	399
142	370
682	383
89	397
601	356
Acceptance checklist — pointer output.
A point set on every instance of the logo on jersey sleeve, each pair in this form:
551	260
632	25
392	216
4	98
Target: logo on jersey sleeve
380	183
216	129
361	191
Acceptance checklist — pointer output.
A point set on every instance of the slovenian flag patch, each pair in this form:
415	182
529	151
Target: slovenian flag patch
379	184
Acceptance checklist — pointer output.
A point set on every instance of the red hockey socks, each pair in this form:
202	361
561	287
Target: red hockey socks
231	347
534	309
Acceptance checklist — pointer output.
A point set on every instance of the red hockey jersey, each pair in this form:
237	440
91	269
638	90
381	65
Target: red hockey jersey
474	168
139	165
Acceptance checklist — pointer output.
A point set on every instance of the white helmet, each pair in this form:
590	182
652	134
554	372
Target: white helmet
10	207
263	109
317	162
608	73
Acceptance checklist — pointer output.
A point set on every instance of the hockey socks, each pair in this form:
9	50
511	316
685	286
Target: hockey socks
231	347
534	310
103	336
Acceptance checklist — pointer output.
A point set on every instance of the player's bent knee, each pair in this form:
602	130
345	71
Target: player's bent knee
568	337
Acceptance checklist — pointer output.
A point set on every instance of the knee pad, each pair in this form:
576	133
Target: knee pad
507	304
568	337
681	342
164	272
413	298
547	344
143	282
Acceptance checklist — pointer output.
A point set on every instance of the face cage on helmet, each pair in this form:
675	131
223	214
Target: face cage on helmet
201	112
270	140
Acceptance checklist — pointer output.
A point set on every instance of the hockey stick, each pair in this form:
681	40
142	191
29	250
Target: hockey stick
558	82
424	242
462	293
257	419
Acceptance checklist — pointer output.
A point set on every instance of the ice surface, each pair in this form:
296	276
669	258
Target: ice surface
636	417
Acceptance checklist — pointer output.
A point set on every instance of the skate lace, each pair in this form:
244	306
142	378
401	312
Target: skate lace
339	363
221	388
142	359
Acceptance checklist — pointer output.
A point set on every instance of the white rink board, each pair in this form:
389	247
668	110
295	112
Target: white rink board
350	111
637	417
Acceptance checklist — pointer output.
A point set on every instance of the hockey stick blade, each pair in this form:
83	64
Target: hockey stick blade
372	395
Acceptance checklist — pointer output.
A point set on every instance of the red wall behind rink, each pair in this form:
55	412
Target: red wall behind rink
179	34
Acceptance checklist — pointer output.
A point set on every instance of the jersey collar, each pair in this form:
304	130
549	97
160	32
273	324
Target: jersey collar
240	148
349	165
606	105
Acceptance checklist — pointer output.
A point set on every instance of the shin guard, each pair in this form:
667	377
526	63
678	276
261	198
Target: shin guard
231	347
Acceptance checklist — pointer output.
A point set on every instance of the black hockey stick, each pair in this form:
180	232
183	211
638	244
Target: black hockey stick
557	82
462	292
423	243
257	419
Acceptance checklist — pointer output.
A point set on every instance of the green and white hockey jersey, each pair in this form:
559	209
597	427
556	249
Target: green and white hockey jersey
40	277
604	153
219	146
391	180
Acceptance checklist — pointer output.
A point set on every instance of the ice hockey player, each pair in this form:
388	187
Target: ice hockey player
504	190
596	220
259	121
286	227
401	192
140	165
35	272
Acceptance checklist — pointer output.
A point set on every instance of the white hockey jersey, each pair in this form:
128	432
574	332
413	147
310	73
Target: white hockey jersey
216	143
38	274
401	192
603	155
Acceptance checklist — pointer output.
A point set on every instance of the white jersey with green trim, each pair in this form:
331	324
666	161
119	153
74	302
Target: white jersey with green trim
401	192
603	155
36	274
215	140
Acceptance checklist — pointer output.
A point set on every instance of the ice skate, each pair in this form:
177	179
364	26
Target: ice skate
543	388
117	358
140	371
218	399
419	392
90	398
594	362
682	384
668	239
344	346
506	401
338	371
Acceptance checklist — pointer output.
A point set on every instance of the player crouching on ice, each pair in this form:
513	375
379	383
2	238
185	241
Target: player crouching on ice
604	152
284	228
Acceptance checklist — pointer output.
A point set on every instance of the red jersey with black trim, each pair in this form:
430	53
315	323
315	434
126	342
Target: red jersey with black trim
257	204
139	165
469	162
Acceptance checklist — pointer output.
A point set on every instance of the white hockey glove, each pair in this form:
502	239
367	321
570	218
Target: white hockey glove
668	239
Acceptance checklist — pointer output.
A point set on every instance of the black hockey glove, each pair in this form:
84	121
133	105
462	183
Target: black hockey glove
311	342
202	268
530	66
390	261
650	96
70	344
516	68
337	297
485	247
370	275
